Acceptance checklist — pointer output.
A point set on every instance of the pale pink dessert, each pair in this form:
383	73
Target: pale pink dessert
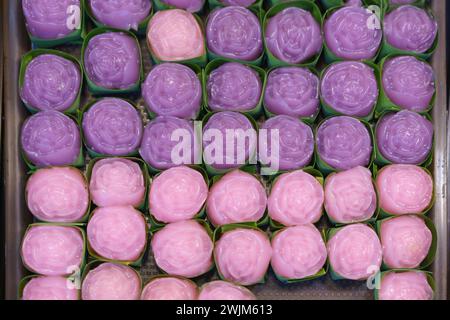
49	288
53	250
296	198
350	196
110	281
354	252
222	290
170	288
183	249
117	182
243	255
406	242
404	189
175	35
298	252
177	194
237	197
410	285
58	194
117	233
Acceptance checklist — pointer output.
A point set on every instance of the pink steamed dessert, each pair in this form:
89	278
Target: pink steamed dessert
170	288
222	290
50	288
410	285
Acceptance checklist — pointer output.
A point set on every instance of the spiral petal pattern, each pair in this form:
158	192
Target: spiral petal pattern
410	28
354	252
50	138
411	286
344	143
292	91
404	189
52	250
49	288
188	5
296	198
298	252
349	35
405	137
233	87
117	182
111	281
50	83
406	241
172	89
112	127
157	145
177	194
47	19
350	88
58	194
350	196
117	233
293	35
175	35
222	290
170	288
234	32
237	197
409	82
183	249
296	142
112	60
121	14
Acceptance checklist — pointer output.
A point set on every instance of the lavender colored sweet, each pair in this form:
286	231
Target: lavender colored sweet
156	147
409	82
292	91
233	87
405	137
410	28
296	142
51	82
401	1
348	34
188	5
121	14
223	122
50	288
344	143
293	35
50	138
234	32
112	60
173	89
350	88
112	127
48	19
242	3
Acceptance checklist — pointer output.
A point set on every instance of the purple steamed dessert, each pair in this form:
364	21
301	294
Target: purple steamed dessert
235	33
348	34
121	14
112	60
404	137
410	28
296	142
233	87
188	5
344	143
293	36
292	91
50	82
156	147
223	122
409	82
350	88
242	3
48	19
173	89
50	288
50	138
397	2
112	127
